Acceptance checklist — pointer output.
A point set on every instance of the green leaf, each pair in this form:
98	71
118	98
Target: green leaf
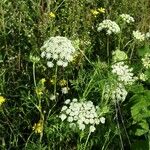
143	50
144	128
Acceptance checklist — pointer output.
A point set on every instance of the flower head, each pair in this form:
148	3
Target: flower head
146	61
57	50
138	36
38	127
52	15
82	114
101	10
123	72
109	26
127	18
2	100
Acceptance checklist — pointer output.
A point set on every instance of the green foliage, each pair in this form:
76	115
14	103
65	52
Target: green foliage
140	111
31	94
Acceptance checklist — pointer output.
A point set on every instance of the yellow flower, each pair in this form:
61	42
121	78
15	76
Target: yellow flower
38	127
63	82
94	12
2	100
101	10
43	80
52	15
39	91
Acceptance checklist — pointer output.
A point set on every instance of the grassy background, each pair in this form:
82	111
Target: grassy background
24	26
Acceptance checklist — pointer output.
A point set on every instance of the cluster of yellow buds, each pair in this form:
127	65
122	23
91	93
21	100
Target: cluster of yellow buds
2	100
62	82
51	15
100	10
40	87
38	127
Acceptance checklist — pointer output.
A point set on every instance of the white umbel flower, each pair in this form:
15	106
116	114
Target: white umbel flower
64	90
63	117
50	64
102	120
127	18
82	114
143	77
109	26
92	128
115	93
123	72
139	36
146	61
57	50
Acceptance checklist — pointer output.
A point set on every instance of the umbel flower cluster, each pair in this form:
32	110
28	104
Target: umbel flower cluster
123	72
139	36
109	26
115	93
81	114
57	50
146	61
127	18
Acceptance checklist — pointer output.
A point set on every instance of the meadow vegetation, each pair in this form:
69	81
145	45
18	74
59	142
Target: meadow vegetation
74	74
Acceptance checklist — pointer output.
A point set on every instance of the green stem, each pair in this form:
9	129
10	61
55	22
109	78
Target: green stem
108	49
87	140
55	81
34	79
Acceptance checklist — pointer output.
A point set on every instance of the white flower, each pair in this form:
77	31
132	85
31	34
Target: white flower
65	64
123	72
91	121
59	50
116	93
50	64
78	113
52	97
72	125
138	36
143	77
81	127
102	120
147	35
64	90
92	128
59	62
48	55
63	117
43	54
68	111
74	100
127	18
97	121
70	119
64	108
146	61
109	26
67	101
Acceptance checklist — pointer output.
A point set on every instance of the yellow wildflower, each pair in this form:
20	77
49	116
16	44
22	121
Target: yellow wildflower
2	100
63	82
94	12
52	15
43	80
101	10
38	127
39	91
